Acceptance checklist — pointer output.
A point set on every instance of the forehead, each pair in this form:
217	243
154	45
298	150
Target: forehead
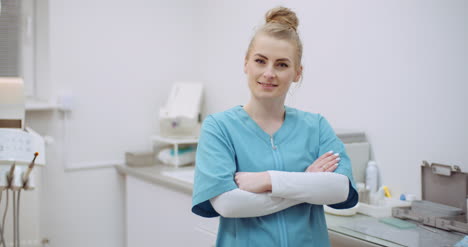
273	48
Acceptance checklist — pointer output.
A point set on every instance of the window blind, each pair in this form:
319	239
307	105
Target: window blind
10	38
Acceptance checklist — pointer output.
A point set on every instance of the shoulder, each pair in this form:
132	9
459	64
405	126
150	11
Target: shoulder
222	120
226	115
310	122
305	117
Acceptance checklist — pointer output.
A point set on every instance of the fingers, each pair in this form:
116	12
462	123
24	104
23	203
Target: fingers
325	163
331	162
325	155
330	158
237	177
332	168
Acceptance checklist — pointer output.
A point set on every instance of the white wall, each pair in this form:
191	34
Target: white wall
396	70
117	59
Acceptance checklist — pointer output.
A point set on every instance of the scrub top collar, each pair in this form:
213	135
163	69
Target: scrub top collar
280	135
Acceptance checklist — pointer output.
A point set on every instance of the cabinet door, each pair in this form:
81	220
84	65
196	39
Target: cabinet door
160	216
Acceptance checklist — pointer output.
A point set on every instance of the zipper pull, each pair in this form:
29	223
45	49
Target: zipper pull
272	143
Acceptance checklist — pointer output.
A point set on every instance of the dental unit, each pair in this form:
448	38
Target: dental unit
19	152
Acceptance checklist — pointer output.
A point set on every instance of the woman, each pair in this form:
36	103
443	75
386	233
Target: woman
267	169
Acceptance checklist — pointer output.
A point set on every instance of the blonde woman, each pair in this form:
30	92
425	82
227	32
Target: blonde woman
265	168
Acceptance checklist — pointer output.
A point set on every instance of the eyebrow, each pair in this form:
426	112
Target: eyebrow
264	57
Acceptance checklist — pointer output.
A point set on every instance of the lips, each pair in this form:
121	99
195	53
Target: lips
266	84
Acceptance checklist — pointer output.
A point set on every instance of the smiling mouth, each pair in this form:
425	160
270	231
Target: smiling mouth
267	84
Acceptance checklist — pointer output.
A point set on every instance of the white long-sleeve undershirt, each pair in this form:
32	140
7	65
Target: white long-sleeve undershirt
288	189
310	187
239	203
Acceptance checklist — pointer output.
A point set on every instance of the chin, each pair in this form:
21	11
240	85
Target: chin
267	96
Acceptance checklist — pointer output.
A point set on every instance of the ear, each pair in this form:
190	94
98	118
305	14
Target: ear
245	66
298	74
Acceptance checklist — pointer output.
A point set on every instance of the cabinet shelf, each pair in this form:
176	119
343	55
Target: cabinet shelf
170	140
175	142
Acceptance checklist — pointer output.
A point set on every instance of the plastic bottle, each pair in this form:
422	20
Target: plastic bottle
372	176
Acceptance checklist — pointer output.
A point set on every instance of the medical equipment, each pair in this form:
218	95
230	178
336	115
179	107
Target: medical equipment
181	116
20	150
16	144
444	204
11	103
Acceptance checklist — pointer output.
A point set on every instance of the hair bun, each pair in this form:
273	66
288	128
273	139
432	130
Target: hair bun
282	16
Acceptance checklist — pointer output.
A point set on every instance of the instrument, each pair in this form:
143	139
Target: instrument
181	116
19	149
19	146
444	204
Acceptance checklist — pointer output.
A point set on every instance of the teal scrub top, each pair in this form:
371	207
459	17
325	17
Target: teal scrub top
231	142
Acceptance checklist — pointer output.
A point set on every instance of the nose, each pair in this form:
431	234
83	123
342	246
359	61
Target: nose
269	73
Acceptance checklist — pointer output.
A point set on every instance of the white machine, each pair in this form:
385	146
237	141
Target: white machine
20	150
181	116
17	143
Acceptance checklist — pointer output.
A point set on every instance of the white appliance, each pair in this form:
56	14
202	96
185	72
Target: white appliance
20	151
181	116
17	143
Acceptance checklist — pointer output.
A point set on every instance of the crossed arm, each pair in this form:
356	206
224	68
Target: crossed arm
263	193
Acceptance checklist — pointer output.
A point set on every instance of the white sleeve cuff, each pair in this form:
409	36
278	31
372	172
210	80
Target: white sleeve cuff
310	187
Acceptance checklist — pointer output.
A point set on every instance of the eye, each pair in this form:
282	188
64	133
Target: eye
260	61
283	65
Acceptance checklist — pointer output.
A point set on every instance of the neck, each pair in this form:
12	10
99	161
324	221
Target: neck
265	110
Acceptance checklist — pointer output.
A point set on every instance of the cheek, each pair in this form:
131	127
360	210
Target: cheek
251	78
287	76
252	72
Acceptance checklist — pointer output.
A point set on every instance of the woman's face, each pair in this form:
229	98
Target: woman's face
270	67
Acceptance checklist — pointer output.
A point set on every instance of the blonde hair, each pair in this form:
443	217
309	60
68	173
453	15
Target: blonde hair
281	23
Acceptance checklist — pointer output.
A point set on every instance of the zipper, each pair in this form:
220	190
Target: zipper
283	229
281	220
272	143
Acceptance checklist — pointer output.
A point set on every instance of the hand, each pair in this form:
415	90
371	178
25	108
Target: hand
328	162
256	182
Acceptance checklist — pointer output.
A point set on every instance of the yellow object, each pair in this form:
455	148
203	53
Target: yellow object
387	192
